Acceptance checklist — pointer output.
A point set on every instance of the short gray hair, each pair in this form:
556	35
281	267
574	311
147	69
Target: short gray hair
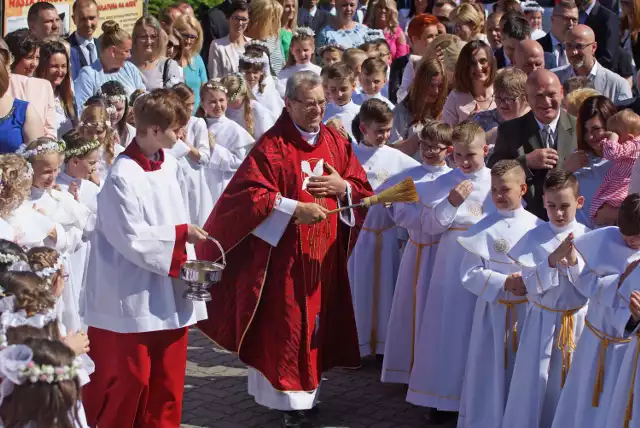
306	79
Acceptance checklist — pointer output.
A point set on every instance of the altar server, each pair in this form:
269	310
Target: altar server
495	279
415	268
133	300
603	255
372	289
555	318
455	201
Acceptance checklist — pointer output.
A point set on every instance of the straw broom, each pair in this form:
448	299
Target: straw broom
405	191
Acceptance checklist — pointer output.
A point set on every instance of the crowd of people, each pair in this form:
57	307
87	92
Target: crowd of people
505	297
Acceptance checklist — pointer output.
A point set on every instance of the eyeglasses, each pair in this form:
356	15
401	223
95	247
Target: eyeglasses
504	100
427	148
309	105
240	19
576	46
189	36
149	37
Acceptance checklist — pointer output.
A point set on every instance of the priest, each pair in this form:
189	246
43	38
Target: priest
284	303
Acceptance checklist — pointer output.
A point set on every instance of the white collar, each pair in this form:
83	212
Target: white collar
312	11
553	125
435	168
594	69
82	41
560	229
475	174
66	178
590	8
511	213
309	137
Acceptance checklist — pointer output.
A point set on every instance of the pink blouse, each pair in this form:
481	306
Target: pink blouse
460	105
397	49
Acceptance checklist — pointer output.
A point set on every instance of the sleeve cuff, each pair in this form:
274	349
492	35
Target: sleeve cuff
347	216
179	255
285	205
445	213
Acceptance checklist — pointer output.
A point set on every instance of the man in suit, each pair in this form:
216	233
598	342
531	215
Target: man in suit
84	48
44	21
38	92
515	29
309	15
563	18
530	57
606	26
541	139
581	47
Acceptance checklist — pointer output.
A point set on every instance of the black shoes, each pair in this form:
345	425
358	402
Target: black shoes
295	419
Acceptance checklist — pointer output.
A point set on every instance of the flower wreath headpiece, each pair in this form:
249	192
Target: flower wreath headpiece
11	318
17	368
374	36
258	43
57	146
252	60
241	87
27	174
16	264
303	32
531	6
48	272
116	98
323	48
216	85
83	149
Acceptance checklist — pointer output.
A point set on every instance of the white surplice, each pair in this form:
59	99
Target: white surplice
346	113
603	257
232	144
6	231
198	194
263	119
494	341
271	230
269	97
436	377
377	246
127	287
287	72
554	324
412	284
79	223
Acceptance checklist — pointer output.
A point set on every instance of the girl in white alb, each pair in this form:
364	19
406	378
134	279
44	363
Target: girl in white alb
301	55
255	68
244	109
118	109
230	144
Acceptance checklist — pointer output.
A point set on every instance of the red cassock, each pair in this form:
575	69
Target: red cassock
285	310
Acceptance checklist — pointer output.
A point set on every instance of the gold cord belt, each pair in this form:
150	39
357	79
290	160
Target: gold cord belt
415	292
511	308
377	266
605	340
566	342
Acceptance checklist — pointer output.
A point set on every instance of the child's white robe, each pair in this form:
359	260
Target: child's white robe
197	192
360	97
554	324
287	72
603	257
232	144
31	228
127	287
494	340
412	284
87	190
263	119
6	231
269	97
436	378
346	113
377	247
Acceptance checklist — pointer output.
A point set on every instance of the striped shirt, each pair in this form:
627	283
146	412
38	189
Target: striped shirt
276	58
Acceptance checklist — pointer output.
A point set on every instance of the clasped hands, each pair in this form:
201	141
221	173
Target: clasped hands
320	187
565	255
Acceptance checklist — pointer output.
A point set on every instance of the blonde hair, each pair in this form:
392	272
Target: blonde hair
624	122
354	57
264	19
576	97
510	81
210	87
467	14
294	24
299	37
112	35
465	132
160	46
16	183
236	87
451	46
392	10
186	22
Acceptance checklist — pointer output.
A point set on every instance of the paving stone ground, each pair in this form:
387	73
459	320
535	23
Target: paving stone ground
216	395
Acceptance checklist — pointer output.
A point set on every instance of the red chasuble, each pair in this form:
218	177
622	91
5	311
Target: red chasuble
285	310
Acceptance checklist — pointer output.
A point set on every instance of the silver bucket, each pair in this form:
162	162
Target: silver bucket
201	274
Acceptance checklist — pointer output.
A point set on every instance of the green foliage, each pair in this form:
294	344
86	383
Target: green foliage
154	6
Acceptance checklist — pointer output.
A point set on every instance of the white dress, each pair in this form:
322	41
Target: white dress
197	192
63	123
232	144
554	324
412	283
87	190
6	231
345	113
377	246
436	378
103	164
498	313
287	72
270	97
31	228
263	119
586	397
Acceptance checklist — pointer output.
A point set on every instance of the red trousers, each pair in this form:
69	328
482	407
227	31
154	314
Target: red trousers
139	379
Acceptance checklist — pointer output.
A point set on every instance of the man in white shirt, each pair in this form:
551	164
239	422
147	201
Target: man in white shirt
84	47
581	46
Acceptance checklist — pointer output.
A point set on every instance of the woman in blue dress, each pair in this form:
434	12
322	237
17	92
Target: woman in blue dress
19	122
343	31
587	162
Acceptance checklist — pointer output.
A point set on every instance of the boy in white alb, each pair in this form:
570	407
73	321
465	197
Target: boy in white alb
373	78
555	320
415	268
372	289
133	300
454	202
603	256
341	83
495	279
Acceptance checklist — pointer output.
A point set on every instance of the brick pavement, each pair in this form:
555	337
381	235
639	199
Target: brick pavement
216	395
